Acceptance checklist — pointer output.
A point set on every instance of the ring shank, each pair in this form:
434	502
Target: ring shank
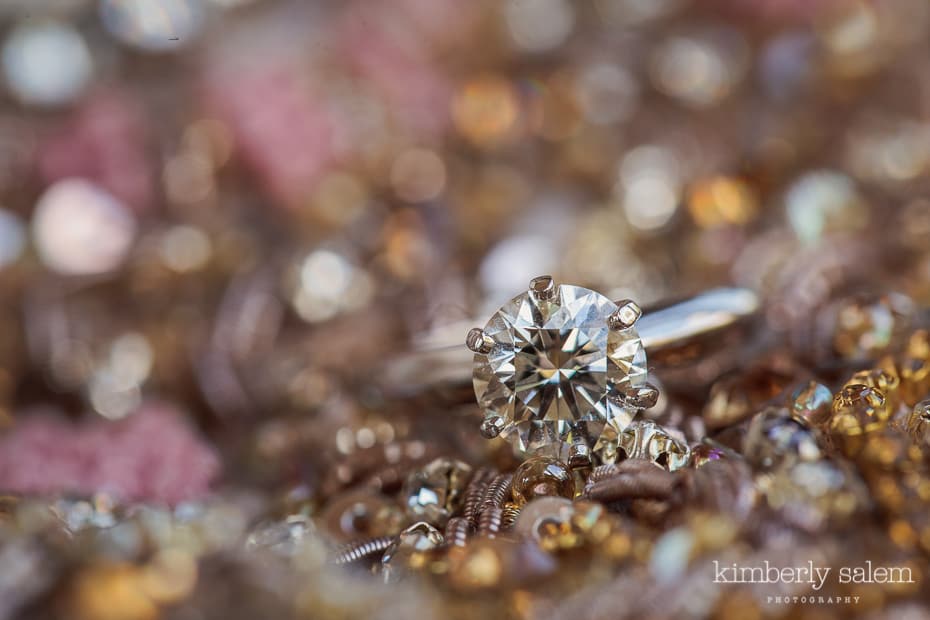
675	335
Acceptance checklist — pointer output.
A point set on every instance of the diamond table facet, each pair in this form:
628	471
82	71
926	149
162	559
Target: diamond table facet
556	372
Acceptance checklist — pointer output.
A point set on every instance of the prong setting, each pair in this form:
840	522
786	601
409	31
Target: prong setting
478	341
579	456
625	316
492	427
542	288
644	397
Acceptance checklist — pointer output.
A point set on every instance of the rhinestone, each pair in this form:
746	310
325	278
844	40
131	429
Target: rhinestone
704	453
867	326
284	538
735	398
434	492
814	494
556	372
812	402
775	437
410	550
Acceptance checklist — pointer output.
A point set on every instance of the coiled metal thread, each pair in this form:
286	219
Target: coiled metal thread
510	514
457	530
497	492
654	483
474	494
489	523
353	552
602	472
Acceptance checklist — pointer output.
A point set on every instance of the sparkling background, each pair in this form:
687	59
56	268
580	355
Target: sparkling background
221	219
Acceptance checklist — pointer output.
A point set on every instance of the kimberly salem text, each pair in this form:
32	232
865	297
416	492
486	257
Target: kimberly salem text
814	575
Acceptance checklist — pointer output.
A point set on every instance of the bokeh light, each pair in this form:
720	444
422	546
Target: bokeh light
80	229
46	63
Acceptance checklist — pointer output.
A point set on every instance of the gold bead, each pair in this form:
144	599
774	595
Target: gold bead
918	345
477	566
540	476
867	406
918	422
886	381
722	201
915	379
857	410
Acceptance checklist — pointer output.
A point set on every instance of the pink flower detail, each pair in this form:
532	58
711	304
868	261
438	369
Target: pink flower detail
152	455
105	143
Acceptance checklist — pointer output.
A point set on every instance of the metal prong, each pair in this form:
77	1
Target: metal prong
478	341
642	397
542	287
625	315
492	427
579	456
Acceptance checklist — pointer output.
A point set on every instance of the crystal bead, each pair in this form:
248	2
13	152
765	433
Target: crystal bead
409	550
735	397
98	512
643	439
436	491
285	538
361	514
812	402
824	201
540	476
705	453
866	327
813	495
774	437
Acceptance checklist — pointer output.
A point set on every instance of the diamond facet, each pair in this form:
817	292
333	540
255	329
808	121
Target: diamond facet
557	373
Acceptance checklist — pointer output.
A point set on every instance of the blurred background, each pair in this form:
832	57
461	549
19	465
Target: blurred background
219	218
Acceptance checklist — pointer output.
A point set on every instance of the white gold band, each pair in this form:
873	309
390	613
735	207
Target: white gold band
676	336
